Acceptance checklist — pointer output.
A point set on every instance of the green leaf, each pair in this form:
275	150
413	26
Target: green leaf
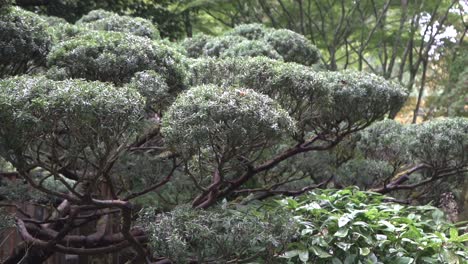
390	226
453	233
403	260
462	238
319	252
291	254
304	255
336	261
350	259
450	257
342	232
345	219
310	206
364	251
344	246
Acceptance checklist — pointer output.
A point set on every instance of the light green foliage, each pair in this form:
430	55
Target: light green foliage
219	235
251	48
228	121
319	101
255	40
37	113
53	20
293	47
441	143
351	226
95	15
359	96
194	46
64	31
61	30
364	173
387	141
216	46
24	41
103	20
252	31
116	57
154	88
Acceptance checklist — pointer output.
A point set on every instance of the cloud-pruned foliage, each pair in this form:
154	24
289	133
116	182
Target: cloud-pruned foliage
319	101
24	41
64	116
116	57
226	120
255	40
108	21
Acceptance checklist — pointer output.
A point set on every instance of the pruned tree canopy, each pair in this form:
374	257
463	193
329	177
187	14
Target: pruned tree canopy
235	148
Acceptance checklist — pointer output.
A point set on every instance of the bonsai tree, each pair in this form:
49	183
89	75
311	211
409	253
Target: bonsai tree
120	122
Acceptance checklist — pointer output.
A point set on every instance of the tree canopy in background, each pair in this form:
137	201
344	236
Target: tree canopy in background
235	131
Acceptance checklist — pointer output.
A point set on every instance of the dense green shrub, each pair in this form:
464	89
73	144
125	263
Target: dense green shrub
116	57
293	47
351	226
251	48
210	117
24	41
36	112
154	88
219	235
103	20
65	31
439	143
216	46
194	46
249	31
255	40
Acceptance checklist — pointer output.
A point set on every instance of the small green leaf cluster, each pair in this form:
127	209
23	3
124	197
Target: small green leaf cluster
351	226
251	48
35	111
6	220
194	46
24	41
62	30
153	87
364	173
224	120
441	143
95	15
252	40
216	46
251	31
116	57
218	235
108	21
293	47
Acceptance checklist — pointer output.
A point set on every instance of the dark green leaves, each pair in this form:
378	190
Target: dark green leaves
357	227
